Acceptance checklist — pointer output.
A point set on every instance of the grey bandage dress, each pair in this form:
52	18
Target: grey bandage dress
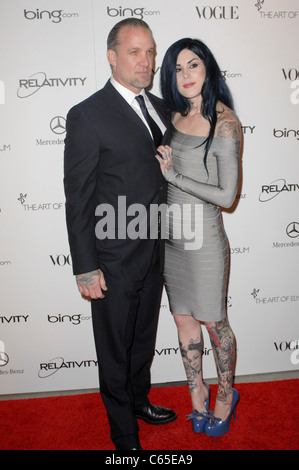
197	252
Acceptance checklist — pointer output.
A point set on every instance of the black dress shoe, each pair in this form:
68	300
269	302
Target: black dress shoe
153	414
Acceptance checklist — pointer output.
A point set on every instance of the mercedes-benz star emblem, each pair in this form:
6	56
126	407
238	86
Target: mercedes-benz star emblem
57	125
293	230
3	359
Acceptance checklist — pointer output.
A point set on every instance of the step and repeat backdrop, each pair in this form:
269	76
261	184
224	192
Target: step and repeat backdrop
52	56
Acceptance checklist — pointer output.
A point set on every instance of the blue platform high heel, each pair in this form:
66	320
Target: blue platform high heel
216	427
199	420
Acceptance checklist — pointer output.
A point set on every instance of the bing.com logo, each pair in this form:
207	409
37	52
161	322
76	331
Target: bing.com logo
130	12
55	16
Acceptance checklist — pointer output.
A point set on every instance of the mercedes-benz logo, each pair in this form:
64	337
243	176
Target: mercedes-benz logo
57	125
4	359
293	230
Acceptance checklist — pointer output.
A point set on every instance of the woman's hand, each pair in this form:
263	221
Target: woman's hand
165	159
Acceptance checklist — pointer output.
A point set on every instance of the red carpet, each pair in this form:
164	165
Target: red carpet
267	419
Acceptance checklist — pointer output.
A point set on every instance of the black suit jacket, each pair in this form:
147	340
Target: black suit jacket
109	153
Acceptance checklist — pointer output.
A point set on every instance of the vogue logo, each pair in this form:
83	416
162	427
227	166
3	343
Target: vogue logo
218	12
61	260
287	345
293	346
290	74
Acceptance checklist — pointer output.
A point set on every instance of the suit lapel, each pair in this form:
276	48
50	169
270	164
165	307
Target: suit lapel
122	108
161	110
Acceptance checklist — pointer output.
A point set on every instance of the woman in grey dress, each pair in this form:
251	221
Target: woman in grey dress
201	166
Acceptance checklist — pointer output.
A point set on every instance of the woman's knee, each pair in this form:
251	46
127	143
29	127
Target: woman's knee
185	321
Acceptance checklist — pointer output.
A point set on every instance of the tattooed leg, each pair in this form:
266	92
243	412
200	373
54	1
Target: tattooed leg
224	348
191	346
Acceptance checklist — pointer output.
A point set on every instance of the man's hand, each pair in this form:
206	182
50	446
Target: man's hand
92	284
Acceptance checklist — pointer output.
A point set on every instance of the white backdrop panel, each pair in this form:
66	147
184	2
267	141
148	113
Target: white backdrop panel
53	55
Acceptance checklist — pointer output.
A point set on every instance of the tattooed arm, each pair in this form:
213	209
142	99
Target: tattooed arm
92	284
228	125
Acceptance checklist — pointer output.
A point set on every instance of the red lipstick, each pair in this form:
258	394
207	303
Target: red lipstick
188	85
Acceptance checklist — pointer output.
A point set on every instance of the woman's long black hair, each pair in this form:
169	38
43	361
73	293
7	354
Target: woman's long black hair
214	88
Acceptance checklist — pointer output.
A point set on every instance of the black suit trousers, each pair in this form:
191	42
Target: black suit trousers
124	324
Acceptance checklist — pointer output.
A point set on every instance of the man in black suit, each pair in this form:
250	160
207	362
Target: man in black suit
110	173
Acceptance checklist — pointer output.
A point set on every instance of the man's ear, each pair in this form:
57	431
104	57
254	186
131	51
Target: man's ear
111	56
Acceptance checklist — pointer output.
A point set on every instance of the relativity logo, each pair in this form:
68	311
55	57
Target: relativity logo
39	80
272	190
55	16
58	363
